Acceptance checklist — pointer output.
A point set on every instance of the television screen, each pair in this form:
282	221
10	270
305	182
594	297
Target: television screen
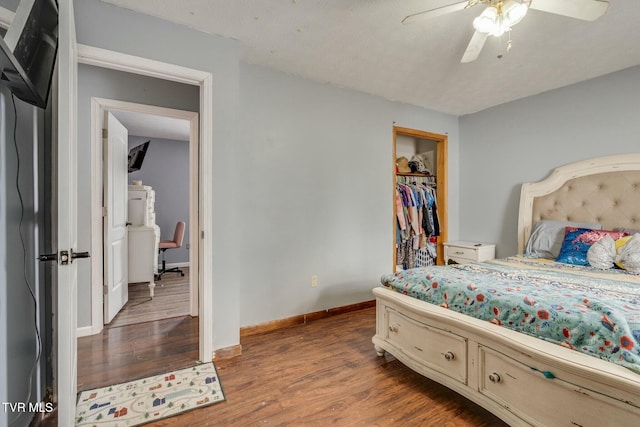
136	156
28	51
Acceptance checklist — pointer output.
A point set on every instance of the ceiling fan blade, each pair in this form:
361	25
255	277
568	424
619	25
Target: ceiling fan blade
427	14
475	46
586	10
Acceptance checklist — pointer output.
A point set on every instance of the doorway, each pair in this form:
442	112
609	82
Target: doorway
98	107
202	160
166	128
408	142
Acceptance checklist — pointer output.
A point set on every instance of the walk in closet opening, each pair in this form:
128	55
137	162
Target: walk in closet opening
419	198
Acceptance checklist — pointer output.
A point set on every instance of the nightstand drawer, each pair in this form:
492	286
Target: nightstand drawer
462	252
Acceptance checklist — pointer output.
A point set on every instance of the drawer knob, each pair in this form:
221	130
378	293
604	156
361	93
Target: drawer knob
495	377
393	329
449	356
459	253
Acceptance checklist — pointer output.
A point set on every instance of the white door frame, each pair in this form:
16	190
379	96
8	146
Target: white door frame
65	200
98	106
133	64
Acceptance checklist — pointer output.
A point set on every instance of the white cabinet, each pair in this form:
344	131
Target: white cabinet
144	236
464	252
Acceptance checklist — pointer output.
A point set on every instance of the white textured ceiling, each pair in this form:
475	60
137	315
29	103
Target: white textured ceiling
362	45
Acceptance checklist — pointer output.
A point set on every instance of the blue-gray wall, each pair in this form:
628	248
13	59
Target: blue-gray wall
523	141
25	301
315	179
166	169
20	231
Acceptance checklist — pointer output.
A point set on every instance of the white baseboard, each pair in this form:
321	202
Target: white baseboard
84	331
177	264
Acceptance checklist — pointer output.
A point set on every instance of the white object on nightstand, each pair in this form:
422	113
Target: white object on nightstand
464	252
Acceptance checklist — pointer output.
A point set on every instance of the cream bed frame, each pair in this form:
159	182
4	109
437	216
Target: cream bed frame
521	379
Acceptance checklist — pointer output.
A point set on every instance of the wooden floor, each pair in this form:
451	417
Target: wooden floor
171	300
122	354
323	373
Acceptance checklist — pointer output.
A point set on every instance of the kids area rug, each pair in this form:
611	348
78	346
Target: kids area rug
150	399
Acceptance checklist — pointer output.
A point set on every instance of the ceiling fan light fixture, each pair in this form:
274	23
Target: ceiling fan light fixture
513	11
499	16
487	21
498	20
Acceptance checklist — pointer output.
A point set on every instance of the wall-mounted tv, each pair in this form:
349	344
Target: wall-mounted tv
136	156
28	51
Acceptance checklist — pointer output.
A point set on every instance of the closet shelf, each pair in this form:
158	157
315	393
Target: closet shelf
415	174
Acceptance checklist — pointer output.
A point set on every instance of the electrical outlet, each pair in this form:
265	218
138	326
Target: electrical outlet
314	281
188	246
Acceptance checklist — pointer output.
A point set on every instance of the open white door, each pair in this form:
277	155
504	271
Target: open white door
66	288
115	219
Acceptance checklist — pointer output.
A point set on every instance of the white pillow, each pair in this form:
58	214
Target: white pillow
602	254
629	255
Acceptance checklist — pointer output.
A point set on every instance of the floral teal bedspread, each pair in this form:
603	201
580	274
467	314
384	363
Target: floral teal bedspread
594	312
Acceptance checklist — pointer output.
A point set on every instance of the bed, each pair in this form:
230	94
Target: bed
527	363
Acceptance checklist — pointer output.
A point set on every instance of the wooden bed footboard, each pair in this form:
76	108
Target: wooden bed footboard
520	379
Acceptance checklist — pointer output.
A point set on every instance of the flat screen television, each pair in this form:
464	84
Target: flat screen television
28	51
136	156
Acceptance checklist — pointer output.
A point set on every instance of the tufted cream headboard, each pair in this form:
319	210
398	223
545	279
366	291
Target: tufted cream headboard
605	190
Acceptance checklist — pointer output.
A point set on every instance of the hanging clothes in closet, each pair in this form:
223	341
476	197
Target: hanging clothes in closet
417	225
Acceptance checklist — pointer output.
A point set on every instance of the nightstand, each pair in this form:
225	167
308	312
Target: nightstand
463	252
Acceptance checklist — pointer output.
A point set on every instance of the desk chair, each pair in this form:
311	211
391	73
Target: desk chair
178	236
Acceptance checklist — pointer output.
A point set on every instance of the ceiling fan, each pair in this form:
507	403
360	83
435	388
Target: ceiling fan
500	15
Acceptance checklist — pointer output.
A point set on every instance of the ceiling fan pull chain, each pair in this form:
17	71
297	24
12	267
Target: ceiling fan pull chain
509	42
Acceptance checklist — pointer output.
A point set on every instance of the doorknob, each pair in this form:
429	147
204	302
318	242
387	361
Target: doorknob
65	256
75	255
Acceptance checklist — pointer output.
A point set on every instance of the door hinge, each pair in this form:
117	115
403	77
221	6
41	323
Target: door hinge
104	133
105	289
202	234
104	211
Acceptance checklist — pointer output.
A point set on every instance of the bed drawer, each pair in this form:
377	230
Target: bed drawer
526	392
437	349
